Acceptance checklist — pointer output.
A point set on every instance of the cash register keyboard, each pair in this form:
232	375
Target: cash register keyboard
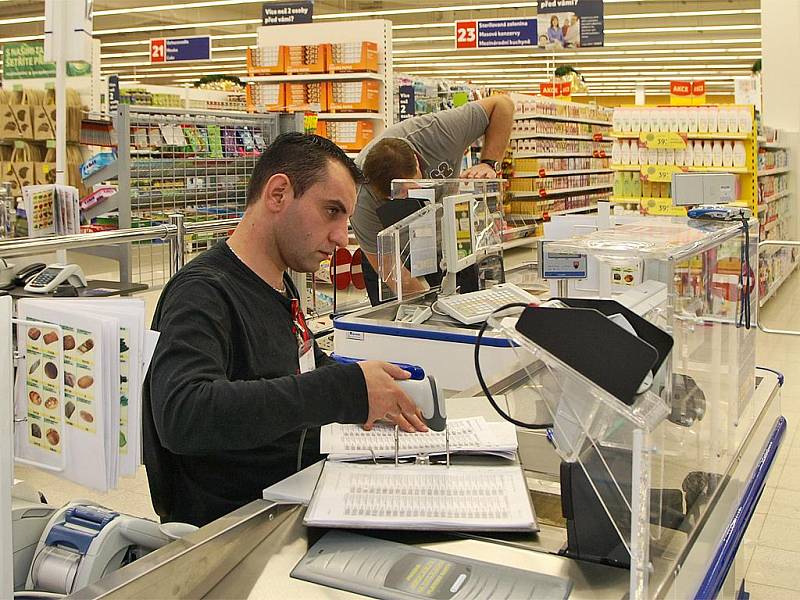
475	307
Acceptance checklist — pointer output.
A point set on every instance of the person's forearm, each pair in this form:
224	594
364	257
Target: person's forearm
201	417
498	132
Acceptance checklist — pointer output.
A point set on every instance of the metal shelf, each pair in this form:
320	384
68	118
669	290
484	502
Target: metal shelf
692	136
312	77
524	116
555	155
548	193
775	197
777	284
524	174
558	136
692	169
777	171
524	241
772	145
568	211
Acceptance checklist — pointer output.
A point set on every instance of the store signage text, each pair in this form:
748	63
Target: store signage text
180	49
684	93
496	33
556	89
287	13
113	94
25	60
407	106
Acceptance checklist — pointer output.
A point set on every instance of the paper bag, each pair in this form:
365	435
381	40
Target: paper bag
42	127
44	173
22	115
8	124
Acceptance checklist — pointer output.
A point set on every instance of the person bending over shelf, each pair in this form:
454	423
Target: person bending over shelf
238	388
426	147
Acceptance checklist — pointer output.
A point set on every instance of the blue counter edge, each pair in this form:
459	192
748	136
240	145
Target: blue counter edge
726	552
458	338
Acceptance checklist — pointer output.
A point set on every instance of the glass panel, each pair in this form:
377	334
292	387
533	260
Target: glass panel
779	287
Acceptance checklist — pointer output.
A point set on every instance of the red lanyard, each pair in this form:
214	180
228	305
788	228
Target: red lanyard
299	327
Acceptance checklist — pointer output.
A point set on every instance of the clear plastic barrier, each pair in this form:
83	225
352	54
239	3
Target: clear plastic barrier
441	226
658	464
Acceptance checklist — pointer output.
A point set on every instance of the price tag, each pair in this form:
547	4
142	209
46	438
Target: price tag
662	207
541	173
659	173
597	137
542	193
669	140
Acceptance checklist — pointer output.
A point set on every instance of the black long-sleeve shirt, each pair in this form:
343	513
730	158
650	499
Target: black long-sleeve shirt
224	407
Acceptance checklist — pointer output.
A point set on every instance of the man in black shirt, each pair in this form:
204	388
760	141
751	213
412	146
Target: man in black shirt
237	388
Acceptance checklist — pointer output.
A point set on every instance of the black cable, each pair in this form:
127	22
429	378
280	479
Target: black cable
745	283
481	381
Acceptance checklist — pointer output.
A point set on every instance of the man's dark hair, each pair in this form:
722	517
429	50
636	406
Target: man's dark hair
389	158
302	158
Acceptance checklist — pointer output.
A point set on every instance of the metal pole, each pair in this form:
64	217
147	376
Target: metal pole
176	244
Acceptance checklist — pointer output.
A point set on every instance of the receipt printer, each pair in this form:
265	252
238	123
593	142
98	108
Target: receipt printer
83	543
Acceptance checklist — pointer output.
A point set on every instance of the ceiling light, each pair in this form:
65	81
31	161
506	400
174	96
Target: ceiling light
688	13
170	26
216	49
159	65
165	7
431	9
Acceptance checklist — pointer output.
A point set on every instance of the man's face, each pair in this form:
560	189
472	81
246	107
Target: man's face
314	224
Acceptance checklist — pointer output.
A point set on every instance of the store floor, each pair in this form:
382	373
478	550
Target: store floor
770	551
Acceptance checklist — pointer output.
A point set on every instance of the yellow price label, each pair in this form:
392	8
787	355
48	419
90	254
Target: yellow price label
310	121
659	173
667	140
661	207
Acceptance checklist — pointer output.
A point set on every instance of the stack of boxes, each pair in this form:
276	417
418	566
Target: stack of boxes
360	95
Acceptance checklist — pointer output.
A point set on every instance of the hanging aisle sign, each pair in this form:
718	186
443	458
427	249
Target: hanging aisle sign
496	33
407	102
25	60
570	24
287	13
180	49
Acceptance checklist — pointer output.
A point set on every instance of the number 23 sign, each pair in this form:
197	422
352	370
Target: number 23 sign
467	34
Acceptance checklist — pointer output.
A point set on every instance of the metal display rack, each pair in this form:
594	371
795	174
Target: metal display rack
560	159
174	160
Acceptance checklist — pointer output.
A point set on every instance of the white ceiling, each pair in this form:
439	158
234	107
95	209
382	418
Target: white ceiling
647	41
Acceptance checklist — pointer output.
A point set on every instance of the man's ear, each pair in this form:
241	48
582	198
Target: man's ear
277	192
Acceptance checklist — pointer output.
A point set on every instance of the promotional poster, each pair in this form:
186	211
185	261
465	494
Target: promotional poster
570	24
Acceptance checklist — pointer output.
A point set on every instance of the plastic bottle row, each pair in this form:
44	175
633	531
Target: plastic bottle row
630	185
689	119
708	153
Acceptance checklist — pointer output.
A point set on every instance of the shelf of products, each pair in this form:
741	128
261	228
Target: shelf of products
558	162
341	72
651	143
776	214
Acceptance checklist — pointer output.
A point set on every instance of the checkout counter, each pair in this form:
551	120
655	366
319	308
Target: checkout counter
672	473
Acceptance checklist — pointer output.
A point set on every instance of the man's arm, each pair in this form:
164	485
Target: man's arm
411	284
500	110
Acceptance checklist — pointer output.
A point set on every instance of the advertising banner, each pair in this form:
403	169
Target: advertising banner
25	60
570	24
496	33
287	13
686	93
561	90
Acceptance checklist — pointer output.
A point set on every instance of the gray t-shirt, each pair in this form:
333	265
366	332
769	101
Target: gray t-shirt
439	139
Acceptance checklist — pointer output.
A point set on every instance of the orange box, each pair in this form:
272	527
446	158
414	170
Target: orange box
351	136
311	96
307	59
265	97
274	57
367	62
364	95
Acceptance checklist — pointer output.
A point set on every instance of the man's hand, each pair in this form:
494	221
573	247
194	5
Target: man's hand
387	400
479	171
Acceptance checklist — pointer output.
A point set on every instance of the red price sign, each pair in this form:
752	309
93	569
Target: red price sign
467	34
541	173
158	51
542	193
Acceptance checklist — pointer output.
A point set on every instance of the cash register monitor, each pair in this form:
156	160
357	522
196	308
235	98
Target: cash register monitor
459	238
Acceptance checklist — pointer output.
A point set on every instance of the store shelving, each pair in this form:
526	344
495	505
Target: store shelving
552	139
776	213
557	192
364	116
545	173
653	184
